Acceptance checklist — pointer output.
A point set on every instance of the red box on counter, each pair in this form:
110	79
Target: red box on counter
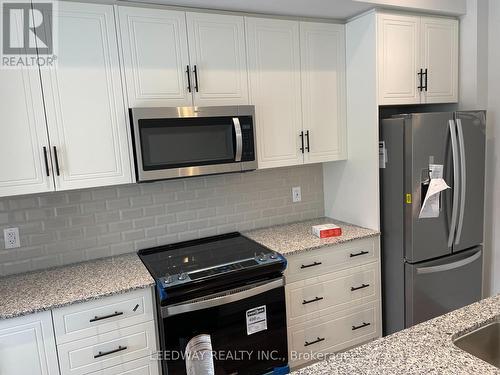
326	230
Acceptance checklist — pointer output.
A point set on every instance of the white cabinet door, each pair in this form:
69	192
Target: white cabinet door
218	59
274	70
23	134
86	116
27	345
155	56
323	91
440	58
398	59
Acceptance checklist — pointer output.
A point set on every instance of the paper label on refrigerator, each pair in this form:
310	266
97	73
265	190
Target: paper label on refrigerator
436	171
256	320
430	206
199	356
382	154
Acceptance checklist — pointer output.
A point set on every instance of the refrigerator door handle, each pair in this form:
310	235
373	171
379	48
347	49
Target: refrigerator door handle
456	182
463	182
450	266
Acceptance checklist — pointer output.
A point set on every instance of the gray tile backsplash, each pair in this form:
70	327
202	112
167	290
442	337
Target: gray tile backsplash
66	227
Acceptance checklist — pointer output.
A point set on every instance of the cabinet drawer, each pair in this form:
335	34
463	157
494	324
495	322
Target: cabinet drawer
320	293
334	332
107	349
143	366
337	257
87	319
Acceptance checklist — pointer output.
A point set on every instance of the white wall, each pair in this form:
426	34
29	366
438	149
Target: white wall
455	7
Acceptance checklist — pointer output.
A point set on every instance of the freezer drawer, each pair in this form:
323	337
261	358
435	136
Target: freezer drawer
437	287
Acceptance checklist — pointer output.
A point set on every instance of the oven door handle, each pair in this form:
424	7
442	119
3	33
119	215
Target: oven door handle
218	299
239	138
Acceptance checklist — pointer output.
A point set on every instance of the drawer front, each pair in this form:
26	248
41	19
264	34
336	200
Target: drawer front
328	259
319	293
143	366
335	332
107	349
88	319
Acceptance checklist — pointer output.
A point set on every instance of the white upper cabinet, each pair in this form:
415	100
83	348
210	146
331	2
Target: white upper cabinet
399	59
23	135
27	345
440	58
275	89
155	55
323	91
86	116
417	59
218	59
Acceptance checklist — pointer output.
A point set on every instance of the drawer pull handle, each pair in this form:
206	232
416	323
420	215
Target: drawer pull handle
360	253
362	286
311	265
319	339
135	308
361	326
102	354
97	318
312	300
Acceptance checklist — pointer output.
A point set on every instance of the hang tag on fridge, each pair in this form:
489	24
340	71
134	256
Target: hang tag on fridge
256	320
382	154
430	206
436	171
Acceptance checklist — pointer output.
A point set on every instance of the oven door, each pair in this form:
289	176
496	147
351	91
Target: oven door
185	141
247	328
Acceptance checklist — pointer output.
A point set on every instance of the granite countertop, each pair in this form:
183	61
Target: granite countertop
297	237
426	348
27	293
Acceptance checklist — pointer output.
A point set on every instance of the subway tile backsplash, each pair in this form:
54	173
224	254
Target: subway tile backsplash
66	227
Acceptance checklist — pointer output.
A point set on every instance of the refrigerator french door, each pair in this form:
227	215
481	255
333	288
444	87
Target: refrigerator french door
431	265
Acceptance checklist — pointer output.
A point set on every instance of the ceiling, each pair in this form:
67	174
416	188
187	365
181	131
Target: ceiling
337	9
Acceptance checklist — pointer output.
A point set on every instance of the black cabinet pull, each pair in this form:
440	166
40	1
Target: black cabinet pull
56	159
97	318
361	326
310	265
358	254
47	171
195	71
319	339
316	299
302	141
189	78
420	74
102	354
362	286
425	84
308	148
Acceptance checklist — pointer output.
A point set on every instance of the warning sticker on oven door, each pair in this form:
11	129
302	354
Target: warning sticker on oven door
256	320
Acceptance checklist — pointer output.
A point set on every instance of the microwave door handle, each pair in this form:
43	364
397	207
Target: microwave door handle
239	138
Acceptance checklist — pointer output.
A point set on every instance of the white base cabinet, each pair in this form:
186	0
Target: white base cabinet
27	345
333	299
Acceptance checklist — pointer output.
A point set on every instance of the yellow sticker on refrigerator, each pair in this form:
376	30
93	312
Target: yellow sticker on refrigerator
408	198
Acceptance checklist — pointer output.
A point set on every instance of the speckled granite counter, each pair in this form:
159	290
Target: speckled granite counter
424	349
48	289
297	237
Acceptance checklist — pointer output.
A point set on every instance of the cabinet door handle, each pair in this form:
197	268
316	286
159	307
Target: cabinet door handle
56	159
310	265
302	141
425	84
102	354
420	74
189	78
319	339
316	299
308	148
46	160
97	318
359	254
195	71
361	326
362	286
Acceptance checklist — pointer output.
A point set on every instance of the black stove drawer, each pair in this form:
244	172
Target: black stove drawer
239	347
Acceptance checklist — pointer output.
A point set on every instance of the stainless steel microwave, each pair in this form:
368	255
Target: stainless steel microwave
192	141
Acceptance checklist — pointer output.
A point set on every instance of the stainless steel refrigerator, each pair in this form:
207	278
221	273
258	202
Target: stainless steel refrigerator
431	265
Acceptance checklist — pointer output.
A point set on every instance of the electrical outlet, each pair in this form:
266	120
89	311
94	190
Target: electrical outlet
11	238
296	194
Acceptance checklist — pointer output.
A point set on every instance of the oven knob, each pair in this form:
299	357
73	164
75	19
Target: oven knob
182	276
167	279
273	256
262	258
